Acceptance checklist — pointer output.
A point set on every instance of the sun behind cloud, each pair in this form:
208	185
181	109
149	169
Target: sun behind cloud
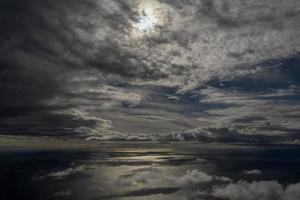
147	21
151	17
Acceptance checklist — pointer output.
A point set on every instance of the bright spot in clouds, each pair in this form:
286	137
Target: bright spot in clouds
145	23
147	20
151	16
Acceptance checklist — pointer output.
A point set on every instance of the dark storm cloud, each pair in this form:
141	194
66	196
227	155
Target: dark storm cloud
75	68
99	34
39	46
74	34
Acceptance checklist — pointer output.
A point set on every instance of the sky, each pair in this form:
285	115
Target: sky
171	70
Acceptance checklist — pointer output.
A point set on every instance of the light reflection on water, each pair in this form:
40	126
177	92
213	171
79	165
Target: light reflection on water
153	171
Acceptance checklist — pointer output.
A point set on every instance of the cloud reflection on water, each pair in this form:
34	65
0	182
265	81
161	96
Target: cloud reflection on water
166	171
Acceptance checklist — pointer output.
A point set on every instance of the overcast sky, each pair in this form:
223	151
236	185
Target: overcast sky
208	70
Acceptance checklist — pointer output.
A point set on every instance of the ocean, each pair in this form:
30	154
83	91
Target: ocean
150	171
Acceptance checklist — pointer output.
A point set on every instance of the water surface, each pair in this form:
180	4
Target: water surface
148	171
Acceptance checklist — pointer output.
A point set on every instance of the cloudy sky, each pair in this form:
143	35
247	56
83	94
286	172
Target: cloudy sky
207	70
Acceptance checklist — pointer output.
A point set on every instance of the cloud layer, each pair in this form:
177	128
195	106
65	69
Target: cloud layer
85	69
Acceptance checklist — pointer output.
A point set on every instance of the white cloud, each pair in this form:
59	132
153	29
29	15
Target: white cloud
222	179
193	177
253	172
67	172
64	174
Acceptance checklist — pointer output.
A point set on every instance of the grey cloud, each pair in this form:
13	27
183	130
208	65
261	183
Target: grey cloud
97	34
144	177
264	133
253	172
246	133
249	119
63	193
254	114
58	57
193	177
142	192
264	190
148	177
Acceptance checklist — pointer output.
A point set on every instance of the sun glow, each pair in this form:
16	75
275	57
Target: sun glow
147	20
145	23
151	18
